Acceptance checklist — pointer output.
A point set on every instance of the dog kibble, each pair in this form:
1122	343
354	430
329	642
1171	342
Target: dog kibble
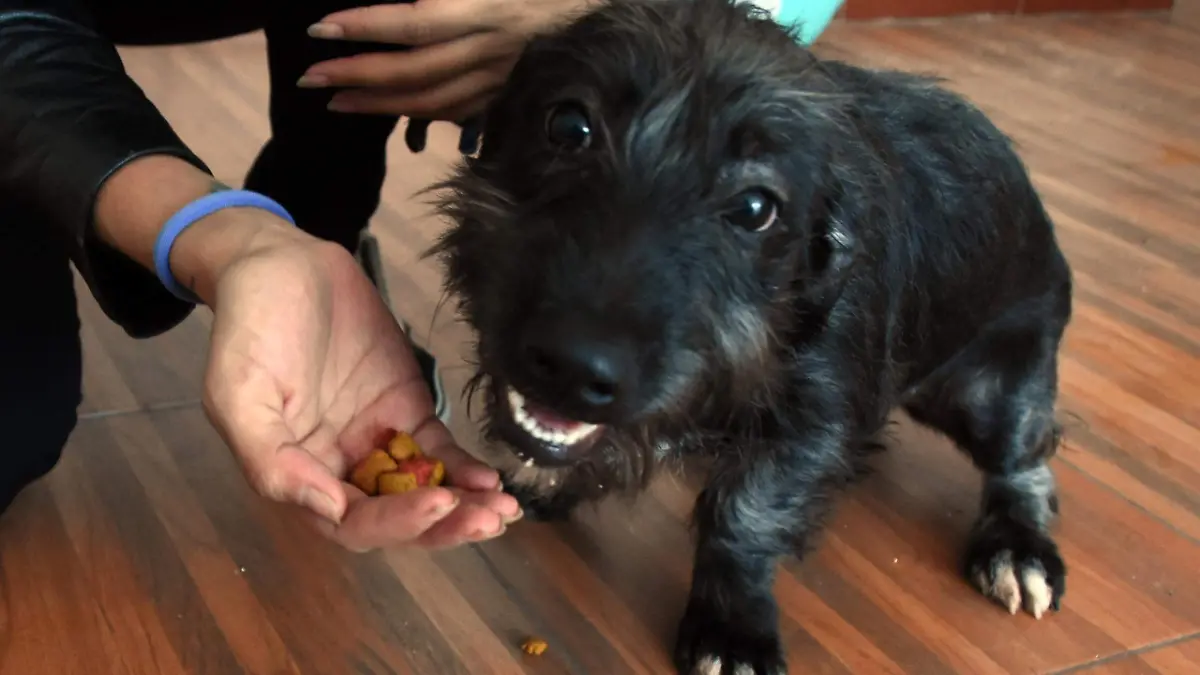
400	468
395	483
425	470
402	447
534	646
366	475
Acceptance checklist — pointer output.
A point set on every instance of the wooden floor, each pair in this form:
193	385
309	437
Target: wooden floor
145	552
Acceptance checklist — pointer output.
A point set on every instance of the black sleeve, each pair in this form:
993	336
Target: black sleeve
69	118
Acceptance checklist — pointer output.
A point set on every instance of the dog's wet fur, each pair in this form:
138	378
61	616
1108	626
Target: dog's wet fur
691	232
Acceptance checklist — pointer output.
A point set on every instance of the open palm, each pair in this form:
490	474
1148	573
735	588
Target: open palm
308	372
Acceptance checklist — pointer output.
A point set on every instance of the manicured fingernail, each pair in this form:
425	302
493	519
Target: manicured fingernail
312	81
326	31
319	502
338	105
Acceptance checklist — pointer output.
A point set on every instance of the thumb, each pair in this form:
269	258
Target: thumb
420	23
293	475
275	464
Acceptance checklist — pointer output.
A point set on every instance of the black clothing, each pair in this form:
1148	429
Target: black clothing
70	117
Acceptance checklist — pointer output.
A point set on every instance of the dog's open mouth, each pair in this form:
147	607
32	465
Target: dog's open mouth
550	436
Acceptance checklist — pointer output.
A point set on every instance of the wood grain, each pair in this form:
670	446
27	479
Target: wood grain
880	9
1186	13
145	551
926	9
1044	6
1180	658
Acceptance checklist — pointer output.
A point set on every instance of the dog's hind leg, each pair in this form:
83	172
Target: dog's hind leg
995	400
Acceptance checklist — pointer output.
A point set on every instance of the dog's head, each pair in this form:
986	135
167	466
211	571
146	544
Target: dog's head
641	226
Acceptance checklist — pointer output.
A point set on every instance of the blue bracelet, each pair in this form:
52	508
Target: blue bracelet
200	208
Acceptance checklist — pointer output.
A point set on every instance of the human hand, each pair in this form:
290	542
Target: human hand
462	52
308	371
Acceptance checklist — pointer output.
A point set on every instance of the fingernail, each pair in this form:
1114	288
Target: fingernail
481	535
326	31
319	502
514	518
312	81
442	509
337	105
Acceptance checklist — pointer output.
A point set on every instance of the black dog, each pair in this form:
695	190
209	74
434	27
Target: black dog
686	235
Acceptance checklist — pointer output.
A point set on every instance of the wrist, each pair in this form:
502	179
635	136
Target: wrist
136	202
204	251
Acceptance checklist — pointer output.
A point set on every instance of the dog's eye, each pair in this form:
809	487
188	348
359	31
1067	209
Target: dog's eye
753	210
568	126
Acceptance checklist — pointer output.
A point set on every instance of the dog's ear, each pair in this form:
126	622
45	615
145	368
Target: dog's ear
815	118
832	253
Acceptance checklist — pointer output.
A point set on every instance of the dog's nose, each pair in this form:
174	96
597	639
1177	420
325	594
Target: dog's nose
587	373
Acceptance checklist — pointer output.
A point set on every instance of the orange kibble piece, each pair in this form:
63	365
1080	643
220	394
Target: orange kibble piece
400	468
365	475
438	474
428	471
397	482
534	646
403	446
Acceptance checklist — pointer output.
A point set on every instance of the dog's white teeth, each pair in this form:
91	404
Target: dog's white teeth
531	426
517	402
583	431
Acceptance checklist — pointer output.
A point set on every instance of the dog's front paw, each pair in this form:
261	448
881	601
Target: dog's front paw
1017	567
716	643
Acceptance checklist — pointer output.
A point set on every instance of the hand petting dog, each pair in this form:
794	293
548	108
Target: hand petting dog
461	53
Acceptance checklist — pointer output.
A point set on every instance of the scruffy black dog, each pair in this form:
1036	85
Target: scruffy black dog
687	235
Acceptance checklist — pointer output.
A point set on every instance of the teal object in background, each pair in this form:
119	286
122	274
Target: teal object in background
811	16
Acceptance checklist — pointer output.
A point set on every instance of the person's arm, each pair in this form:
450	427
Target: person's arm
70	120
144	193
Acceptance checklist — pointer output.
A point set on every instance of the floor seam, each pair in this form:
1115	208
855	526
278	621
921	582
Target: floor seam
1112	658
155	407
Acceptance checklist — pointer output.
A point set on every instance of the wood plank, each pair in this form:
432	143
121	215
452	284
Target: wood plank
1186	13
927	9
1047	6
1176	659
882	9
